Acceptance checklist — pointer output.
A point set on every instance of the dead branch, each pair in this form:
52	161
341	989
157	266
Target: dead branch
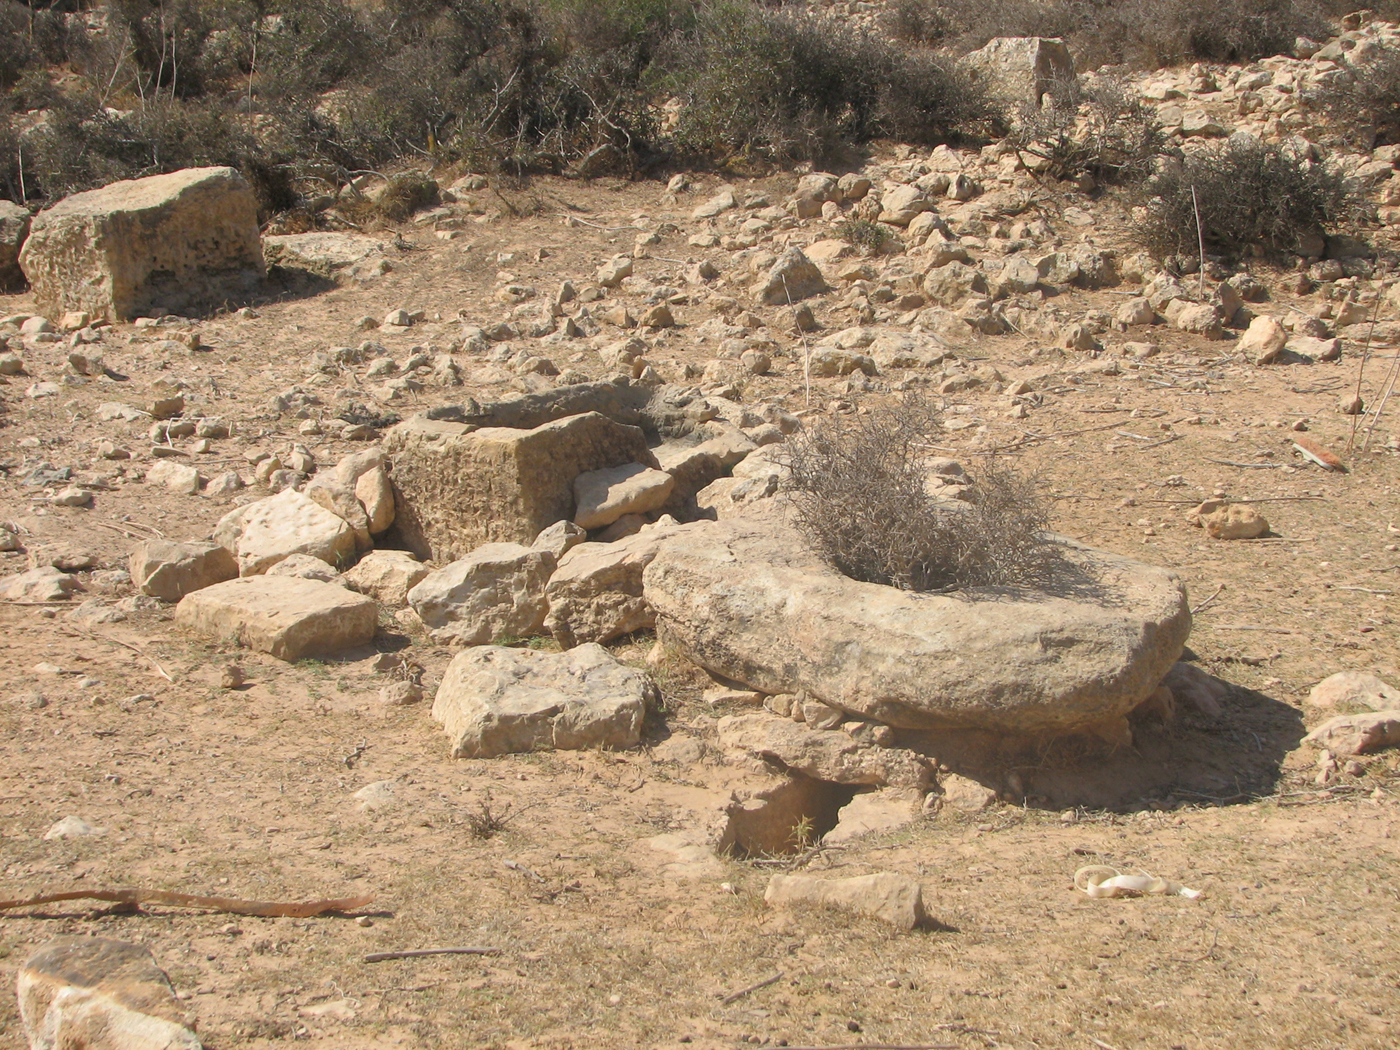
262	909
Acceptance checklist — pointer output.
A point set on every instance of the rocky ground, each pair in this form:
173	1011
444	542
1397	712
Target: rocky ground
1027	310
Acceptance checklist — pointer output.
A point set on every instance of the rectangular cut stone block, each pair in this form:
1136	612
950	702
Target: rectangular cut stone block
457	488
287	617
166	240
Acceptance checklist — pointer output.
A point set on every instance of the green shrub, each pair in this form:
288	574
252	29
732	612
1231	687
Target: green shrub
860	491
1251	196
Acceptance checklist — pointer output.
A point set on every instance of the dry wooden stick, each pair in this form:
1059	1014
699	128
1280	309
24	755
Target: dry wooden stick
264	909
139	652
735	996
420	953
1388	385
1365	356
1246	466
1212	598
881	1046
1252	627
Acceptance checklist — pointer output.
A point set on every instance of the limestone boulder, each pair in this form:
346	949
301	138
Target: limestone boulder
496	701
284	616
172	570
144	244
457	487
895	899
900	206
603	496
750	603
262	533
340	257
387	576
1348	735
792	277
1353	689
358	490
496	591
1022	70
95	993
14	228
595	595
40	584
1263	340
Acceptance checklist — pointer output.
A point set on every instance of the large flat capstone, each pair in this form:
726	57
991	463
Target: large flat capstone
160	242
497	701
286	616
457	487
750	603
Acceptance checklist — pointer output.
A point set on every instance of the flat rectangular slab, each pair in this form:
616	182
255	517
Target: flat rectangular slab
287	617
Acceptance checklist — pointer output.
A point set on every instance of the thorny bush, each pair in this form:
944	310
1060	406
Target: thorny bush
864	503
1253	197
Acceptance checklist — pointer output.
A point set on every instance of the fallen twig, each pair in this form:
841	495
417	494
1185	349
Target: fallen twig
881	1046
1360	372
419	953
1212	598
139	652
735	996
1246	466
264	909
1253	627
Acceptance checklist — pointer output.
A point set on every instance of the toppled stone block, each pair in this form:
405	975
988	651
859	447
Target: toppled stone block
497	701
595	595
895	899
387	576
831	755
603	496
127	248
497	591
264	532
172	570
457	488
289	618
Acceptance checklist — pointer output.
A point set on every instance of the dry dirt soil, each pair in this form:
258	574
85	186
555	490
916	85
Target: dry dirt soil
604	940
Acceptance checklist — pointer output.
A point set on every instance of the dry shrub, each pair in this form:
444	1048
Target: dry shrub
870	237
860	491
1252	197
406	194
1099	130
1364	100
1146	34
